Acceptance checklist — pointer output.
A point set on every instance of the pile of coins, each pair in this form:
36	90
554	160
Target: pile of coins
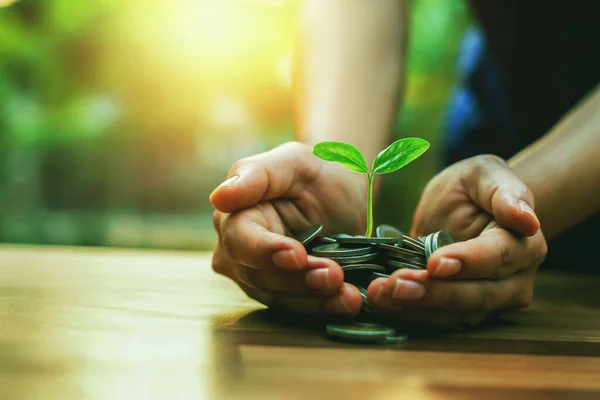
364	259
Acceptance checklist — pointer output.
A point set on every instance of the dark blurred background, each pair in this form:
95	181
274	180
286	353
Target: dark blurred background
119	117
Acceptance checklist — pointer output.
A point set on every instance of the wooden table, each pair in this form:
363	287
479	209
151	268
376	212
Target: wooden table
81	323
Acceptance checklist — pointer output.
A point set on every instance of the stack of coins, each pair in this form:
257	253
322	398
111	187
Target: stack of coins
366	258
380	255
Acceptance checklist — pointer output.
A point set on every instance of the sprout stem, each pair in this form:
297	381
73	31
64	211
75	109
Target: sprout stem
370	206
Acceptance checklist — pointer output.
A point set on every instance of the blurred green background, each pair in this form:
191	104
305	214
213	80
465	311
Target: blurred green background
119	117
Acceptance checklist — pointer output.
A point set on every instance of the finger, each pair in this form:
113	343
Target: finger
465	296
276	173
495	254
325	278
347	301
248	241
496	189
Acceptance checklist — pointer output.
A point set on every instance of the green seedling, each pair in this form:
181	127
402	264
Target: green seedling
396	156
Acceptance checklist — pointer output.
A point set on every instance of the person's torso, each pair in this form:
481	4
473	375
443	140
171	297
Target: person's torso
528	63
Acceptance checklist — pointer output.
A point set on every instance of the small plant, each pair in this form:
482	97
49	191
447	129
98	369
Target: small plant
394	157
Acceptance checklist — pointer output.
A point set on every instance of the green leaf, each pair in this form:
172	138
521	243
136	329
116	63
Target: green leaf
398	154
345	154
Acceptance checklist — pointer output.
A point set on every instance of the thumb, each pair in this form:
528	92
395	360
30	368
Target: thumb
495	188
281	172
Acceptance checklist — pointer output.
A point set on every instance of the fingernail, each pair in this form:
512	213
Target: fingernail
229	182
408	290
318	279
337	305
379	294
524	207
447	267
286	259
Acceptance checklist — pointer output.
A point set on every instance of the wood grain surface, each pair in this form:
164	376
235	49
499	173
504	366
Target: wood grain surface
80	323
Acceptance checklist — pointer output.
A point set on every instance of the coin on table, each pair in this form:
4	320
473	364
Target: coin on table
363	267
366	240
384	230
435	241
361	332
355	259
308	235
335	250
397	339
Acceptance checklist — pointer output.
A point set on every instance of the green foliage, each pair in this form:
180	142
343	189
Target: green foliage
394	157
345	154
398	154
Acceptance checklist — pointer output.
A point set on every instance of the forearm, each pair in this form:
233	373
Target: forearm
349	71
563	168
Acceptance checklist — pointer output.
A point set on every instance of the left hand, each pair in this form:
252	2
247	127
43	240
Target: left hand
489	211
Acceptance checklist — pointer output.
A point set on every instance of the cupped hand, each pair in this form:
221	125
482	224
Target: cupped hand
265	198
490	212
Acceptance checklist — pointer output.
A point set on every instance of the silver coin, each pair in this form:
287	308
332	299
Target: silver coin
387	231
363	267
428	240
436	240
366	307
335	250
327	239
355	259
376	275
401	264
413	244
366	240
336	236
360	332
396	339
309	234
400	250
440	239
408	259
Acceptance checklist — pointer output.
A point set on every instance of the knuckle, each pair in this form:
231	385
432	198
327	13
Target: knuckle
238	165
217	265
489	294
490	159
501	267
480	164
249	277
527	194
537	255
525	297
542	253
229	243
216	220
295	146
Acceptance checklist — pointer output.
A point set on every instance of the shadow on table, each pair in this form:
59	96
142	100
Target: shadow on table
564	320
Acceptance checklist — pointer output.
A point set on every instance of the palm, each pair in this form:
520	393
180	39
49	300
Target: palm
447	205
336	199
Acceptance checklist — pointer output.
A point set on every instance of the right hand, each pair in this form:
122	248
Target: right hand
268	195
